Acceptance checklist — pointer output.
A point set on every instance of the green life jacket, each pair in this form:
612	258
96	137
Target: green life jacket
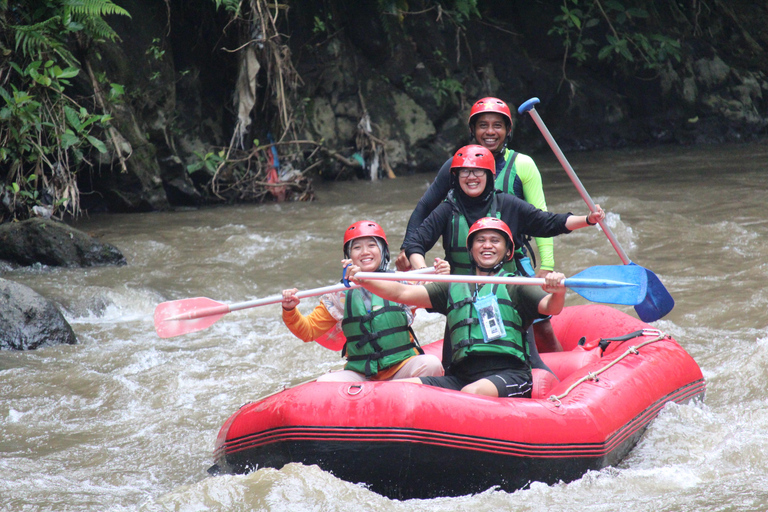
455	240
377	332
505	180
464	326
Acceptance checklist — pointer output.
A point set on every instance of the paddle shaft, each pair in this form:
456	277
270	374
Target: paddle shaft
274	299
569	282
577	182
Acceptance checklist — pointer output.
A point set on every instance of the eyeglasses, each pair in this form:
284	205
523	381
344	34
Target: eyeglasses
464	173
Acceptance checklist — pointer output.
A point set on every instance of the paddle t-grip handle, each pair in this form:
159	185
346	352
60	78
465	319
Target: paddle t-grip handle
528	105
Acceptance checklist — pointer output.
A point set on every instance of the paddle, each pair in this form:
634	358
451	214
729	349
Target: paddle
183	316
612	284
657	301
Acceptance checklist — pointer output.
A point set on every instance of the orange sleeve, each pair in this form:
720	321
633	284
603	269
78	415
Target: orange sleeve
310	327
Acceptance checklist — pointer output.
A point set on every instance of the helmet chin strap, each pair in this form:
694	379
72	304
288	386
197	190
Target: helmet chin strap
490	270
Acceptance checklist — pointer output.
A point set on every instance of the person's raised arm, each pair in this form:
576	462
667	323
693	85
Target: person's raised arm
411	295
552	304
428	234
529	220
582	221
306	328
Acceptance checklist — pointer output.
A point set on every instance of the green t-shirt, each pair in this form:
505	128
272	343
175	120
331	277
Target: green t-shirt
526	297
533	193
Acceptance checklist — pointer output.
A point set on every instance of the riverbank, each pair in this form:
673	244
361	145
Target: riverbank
221	106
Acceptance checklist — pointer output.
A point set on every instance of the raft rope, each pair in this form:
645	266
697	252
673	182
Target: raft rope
593	376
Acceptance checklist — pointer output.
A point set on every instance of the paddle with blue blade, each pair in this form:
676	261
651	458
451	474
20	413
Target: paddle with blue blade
657	301
611	284
177	317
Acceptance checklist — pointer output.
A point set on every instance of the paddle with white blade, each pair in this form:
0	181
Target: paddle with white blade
657	301
183	316
611	284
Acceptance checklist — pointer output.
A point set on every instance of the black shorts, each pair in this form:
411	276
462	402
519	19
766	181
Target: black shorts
509	383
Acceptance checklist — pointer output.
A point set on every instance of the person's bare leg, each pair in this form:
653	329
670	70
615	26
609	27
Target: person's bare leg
425	365
481	387
414	380
342	376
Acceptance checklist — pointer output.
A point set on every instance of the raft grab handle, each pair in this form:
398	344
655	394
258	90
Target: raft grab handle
593	376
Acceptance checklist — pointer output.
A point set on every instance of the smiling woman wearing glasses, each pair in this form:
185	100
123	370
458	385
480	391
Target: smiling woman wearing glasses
464	173
473	196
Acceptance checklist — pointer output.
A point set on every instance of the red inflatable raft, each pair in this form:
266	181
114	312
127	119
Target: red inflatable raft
413	441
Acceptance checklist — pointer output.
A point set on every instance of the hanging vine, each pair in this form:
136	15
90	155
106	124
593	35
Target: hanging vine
248	168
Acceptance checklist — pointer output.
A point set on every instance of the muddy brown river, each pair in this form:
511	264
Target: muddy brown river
125	420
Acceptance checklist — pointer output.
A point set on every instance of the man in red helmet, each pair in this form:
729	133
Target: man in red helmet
377	338
490	125
487	323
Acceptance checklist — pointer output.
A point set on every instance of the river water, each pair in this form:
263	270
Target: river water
125	420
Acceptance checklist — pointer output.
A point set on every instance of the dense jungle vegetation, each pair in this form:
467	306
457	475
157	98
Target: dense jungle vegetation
60	99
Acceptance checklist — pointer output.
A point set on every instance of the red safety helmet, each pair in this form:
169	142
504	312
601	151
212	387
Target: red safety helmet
363	228
474	156
490	105
496	225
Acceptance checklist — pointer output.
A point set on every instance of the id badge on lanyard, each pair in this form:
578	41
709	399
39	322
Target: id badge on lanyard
490	318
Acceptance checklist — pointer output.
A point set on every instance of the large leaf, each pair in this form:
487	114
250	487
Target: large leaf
69	139
96	143
72	118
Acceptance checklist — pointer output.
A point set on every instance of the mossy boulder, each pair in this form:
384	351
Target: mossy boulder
54	244
29	321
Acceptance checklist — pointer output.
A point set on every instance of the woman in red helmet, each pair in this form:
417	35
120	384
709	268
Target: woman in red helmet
486	323
379	343
474	196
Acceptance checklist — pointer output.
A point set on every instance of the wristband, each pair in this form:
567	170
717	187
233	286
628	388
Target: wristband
590	223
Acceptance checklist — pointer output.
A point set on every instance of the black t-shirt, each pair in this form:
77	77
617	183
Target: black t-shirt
521	217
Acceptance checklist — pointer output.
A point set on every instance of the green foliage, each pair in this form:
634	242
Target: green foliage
154	50
410	87
45	134
445	88
627	36
457	11
209	162
230	6
464	9
116	93
322	26
319	27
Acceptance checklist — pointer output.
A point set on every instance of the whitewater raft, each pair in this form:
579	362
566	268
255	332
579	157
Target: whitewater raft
413	441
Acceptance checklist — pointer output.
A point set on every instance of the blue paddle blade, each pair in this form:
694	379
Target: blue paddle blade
611	284
657	301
